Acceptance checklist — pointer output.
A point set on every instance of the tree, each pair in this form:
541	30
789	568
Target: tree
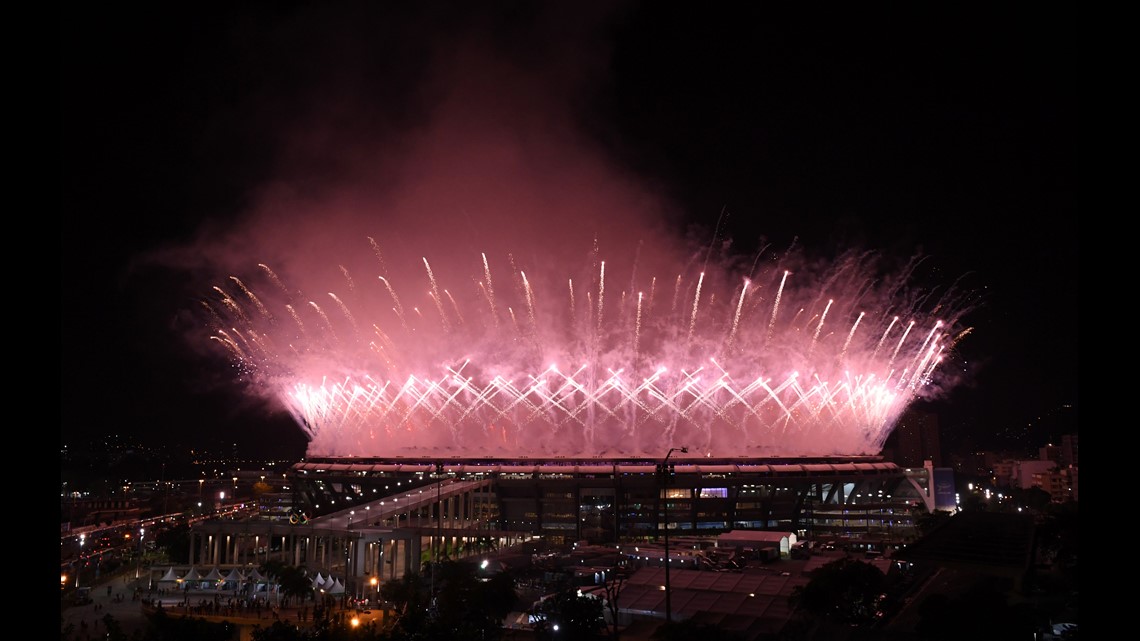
927	522
576	616
1035	498
295	582
471	608
846	590
990	614
410	598
612	588
406	594
465	606
176	542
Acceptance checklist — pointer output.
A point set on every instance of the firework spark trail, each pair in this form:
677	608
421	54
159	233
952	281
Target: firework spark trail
883	338
902	339
570	283
529	301
435	297
850	335
232	304
273	278
728	376
490	290
230	346
325	318
454	306
776	304
399	309
514	321
819	327
256	301
348	278
297	319
637	327
924	355
347	314
736	316
215	319
696	304
601	293
379	255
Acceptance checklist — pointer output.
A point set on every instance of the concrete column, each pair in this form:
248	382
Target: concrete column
413	556
392	558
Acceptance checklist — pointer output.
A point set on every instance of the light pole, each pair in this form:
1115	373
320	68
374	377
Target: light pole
79	571
438	531
664	482
348	558
138	565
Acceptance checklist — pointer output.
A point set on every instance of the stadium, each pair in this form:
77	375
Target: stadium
491	400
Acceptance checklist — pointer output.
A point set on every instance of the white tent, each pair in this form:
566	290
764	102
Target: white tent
192	575
214	575
336	588
318	581
256	576
169	577
233	579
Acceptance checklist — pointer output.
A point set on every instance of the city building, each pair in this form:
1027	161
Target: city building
915	440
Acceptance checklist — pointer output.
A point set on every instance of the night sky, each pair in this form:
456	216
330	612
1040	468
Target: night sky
186	130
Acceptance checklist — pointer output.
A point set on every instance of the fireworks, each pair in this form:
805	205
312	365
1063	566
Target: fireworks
483	356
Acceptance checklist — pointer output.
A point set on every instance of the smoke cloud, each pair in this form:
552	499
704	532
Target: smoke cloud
443	258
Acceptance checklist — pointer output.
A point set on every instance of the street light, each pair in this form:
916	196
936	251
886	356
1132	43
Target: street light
138	565
349	574
438	539
664	477
79	571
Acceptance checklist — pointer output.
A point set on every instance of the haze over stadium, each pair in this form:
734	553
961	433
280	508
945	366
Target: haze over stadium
501	286
653	227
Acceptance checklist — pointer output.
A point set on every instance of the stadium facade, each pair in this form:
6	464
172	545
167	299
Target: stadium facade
359	518
612	500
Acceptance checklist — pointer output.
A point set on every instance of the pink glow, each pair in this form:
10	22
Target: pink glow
827	370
